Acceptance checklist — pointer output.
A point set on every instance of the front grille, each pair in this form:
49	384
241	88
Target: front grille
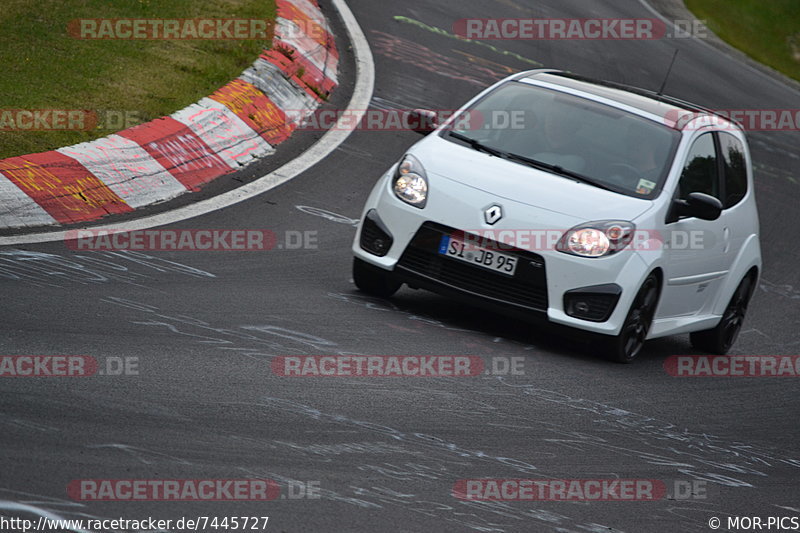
526	288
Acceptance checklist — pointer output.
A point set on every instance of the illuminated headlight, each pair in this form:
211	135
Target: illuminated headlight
410	182
597	239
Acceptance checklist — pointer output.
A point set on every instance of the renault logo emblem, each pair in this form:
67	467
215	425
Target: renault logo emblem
493	214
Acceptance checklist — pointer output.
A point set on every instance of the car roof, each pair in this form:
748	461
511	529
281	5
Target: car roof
671	110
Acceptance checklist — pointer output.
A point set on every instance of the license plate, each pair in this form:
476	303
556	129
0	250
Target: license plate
469	253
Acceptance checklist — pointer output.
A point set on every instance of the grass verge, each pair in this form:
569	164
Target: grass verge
768	31
44	67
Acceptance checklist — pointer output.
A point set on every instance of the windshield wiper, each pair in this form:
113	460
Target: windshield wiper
541	165
535	163
477	145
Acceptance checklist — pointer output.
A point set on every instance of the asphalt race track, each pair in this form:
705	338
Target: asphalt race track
384	453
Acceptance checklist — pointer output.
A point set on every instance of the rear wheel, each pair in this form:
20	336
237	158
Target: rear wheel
626	346
374	280
720	339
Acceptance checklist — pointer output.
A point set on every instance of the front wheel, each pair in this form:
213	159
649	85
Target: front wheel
374	280
720	339
626	346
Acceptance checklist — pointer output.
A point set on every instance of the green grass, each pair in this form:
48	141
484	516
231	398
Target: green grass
766	30
43	67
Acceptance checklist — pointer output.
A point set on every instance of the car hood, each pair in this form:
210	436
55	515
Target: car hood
521	183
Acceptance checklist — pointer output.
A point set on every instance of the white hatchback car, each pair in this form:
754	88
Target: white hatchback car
602	207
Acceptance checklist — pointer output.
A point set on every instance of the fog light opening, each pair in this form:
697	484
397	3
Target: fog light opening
594	304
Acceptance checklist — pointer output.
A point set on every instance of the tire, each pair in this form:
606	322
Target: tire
626	346
719	340
374	280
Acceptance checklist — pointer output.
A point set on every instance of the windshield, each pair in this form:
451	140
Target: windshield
575	137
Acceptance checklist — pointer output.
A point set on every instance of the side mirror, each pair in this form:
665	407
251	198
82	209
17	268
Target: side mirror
422	121
698	205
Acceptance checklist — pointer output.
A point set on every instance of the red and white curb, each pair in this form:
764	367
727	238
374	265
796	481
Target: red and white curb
170	156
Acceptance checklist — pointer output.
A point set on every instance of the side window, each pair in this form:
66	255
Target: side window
700	173
735	169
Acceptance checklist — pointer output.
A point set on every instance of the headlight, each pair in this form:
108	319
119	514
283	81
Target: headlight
410	182
597	239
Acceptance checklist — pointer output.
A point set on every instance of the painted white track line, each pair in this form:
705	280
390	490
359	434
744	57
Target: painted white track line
359	102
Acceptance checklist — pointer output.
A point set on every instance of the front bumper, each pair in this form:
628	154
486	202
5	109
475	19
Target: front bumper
422	264
543	277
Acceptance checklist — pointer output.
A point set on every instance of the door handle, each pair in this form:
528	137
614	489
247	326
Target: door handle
726	239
